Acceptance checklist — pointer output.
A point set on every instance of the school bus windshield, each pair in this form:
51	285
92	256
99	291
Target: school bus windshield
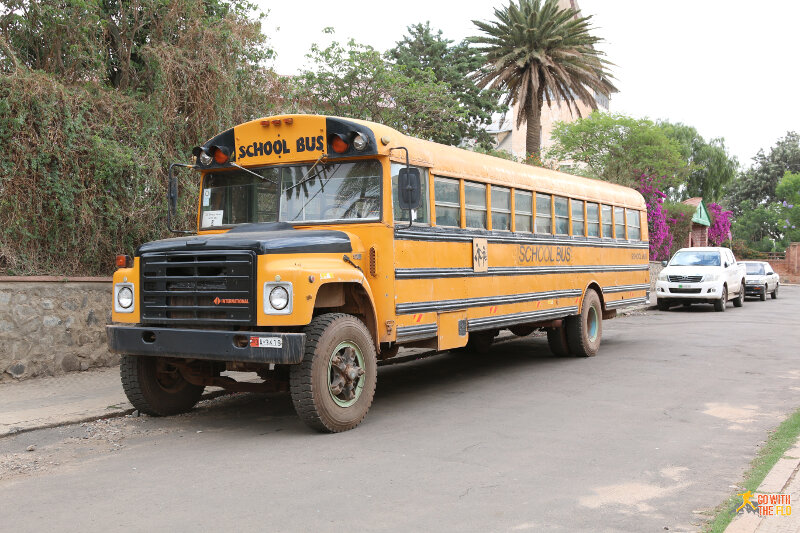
328	193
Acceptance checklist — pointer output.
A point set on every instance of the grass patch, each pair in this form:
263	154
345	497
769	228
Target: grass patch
778	443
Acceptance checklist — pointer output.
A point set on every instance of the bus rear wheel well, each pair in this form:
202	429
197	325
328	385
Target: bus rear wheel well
594	286
349	298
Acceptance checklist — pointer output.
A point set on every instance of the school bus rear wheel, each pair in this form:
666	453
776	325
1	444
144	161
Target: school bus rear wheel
585	330
332	389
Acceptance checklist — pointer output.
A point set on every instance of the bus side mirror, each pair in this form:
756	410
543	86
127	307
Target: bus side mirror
172	195
408	188
663	263
172	198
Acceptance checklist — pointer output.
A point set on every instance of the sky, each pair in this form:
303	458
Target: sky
727	67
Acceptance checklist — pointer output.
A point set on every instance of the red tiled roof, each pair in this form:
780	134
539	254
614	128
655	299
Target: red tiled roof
693	201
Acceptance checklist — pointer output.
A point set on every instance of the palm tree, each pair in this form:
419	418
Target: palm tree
537	52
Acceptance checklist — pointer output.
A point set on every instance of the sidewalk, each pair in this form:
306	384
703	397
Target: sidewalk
67	399
60	400
782	479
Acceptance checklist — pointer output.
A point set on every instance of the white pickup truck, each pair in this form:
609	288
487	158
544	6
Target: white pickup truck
701	275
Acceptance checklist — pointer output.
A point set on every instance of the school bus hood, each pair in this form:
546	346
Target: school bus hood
262	238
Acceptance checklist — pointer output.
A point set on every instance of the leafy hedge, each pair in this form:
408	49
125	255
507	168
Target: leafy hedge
88	131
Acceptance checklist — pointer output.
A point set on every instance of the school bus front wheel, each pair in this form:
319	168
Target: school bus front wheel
332	389
157	388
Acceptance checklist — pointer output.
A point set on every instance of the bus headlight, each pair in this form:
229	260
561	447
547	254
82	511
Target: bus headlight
359	142
123	298
277	298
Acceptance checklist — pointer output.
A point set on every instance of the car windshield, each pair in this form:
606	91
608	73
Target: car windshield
755	269
330	192
692	258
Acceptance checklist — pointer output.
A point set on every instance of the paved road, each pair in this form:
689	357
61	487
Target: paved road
648	435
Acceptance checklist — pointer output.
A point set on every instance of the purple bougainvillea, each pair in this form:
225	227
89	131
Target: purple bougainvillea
657	224
720	230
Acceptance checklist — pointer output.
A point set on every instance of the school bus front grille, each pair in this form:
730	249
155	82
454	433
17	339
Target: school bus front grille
198	287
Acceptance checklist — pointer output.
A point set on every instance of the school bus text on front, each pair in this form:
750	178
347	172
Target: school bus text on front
323	245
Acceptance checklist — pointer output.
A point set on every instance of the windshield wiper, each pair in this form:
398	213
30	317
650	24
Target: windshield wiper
256	174
307	176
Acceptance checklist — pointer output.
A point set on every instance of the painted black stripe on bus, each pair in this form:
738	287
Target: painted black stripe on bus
625	303
464	303
501	321
412	333
433	273
501	237
626	288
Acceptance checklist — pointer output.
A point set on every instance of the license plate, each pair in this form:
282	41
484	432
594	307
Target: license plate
266	342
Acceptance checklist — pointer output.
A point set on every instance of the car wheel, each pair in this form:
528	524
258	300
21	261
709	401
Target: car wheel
739	300
719	305
763	295
775	293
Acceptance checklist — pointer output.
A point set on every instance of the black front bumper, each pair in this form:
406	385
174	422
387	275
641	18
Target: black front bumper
754	289
211	345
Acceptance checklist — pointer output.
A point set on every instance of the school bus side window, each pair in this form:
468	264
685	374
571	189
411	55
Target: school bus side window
562	215
592	220
447	201
401	215
501	208
619	223
475	203
634	230
544	220
608	223
577	217
523	210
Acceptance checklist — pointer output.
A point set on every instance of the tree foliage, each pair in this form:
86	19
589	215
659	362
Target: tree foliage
423	99
423	52
710	167
536	52
757	185
619	149
96	99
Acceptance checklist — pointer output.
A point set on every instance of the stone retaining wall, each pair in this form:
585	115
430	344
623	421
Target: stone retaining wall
50	327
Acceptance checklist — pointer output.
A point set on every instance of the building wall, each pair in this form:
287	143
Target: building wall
52	327
698	236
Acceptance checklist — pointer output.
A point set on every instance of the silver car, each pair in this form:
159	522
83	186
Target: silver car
760	280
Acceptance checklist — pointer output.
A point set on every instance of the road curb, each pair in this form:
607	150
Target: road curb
783	478
109	413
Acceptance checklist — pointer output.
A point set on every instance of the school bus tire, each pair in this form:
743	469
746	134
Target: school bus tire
585	331
330	338
557	341
155	387
480	342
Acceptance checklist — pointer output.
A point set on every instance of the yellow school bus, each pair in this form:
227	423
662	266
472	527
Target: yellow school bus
324	244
